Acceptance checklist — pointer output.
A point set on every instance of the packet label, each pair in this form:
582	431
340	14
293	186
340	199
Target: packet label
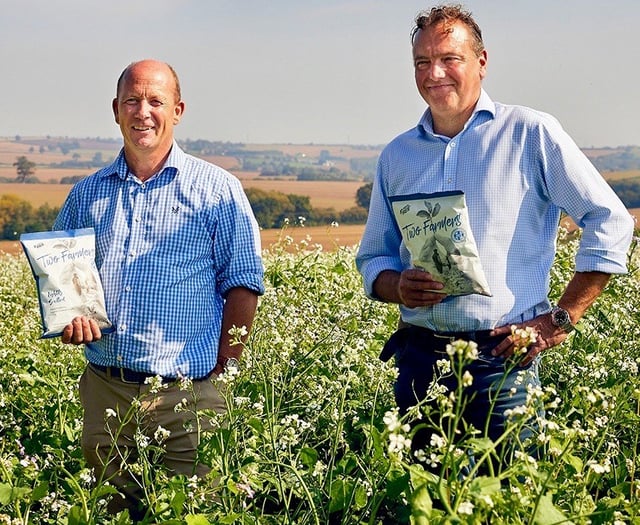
67	279
435	229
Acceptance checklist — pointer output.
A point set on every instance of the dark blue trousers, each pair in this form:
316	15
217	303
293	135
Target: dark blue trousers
498	384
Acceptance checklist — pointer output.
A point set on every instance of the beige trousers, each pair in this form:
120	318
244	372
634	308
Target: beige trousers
114	445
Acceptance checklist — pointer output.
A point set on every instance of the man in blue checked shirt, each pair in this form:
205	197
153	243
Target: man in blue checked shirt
518	170
178	251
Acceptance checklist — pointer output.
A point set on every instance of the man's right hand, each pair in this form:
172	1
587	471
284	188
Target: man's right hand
417	288
81	330
412	288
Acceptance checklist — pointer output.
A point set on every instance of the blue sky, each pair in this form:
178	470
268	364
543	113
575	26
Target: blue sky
301	71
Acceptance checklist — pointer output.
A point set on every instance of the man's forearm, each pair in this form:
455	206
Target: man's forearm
385	287
239	310
580	293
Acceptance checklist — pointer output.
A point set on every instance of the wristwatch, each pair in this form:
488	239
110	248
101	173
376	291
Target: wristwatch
231	362
561	318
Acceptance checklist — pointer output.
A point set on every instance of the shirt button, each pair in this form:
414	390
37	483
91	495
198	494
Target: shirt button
122	327
127	288
453	144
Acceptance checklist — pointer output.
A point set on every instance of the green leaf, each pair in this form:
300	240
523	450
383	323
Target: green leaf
75	516
196	519
9	494
40	491
256	424
397	483
5	493
309	457
485	485
547	513
177	501
482	444
421	506
229	518
340	489
360	497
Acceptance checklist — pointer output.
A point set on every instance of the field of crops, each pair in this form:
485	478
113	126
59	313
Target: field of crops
310	435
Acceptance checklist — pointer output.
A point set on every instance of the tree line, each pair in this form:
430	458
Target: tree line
271	208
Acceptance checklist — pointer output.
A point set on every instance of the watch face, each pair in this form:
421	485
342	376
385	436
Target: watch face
561	319
232	362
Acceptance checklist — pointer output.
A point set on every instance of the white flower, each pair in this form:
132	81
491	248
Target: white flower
466	507
86	477
523	337
238	332
444	366
398	443
486	499
391	420
319	469
466	349
598	468
141	440
437	441
156	384
109	412
467	379
161	434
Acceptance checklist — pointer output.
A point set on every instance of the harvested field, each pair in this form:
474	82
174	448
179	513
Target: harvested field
322	194
327	236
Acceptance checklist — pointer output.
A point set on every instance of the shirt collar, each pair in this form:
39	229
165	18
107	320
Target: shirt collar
484	105
119	167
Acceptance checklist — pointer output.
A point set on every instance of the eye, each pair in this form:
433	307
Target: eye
421	64
156	103
131	101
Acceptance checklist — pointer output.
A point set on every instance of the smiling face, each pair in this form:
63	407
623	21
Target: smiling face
147	108
448	73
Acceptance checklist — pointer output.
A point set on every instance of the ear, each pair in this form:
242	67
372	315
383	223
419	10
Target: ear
482	59
178	111
114	107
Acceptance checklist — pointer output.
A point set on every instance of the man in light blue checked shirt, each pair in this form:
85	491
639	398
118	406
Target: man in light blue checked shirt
518	170
178	251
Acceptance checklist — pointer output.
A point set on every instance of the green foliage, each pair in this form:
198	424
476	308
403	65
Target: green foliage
24	168
628	191
311	435
363	195
619	159
274	209
18	216
271	208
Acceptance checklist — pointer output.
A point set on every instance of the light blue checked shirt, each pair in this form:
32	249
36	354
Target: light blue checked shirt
168	250
518	170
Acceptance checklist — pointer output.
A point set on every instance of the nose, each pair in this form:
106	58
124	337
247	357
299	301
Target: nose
437	70
143	109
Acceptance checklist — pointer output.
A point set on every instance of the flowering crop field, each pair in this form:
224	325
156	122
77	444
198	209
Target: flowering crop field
311	436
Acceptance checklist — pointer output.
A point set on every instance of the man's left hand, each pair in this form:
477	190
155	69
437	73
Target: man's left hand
548	337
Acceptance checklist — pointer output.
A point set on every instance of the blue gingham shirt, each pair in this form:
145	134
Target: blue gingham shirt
518	170
168	250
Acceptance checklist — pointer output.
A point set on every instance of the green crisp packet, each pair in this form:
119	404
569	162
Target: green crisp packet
435	229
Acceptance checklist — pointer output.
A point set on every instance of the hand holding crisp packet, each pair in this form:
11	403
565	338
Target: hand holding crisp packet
435	229
68	282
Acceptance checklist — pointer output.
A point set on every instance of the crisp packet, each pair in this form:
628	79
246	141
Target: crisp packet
68	282
435	229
